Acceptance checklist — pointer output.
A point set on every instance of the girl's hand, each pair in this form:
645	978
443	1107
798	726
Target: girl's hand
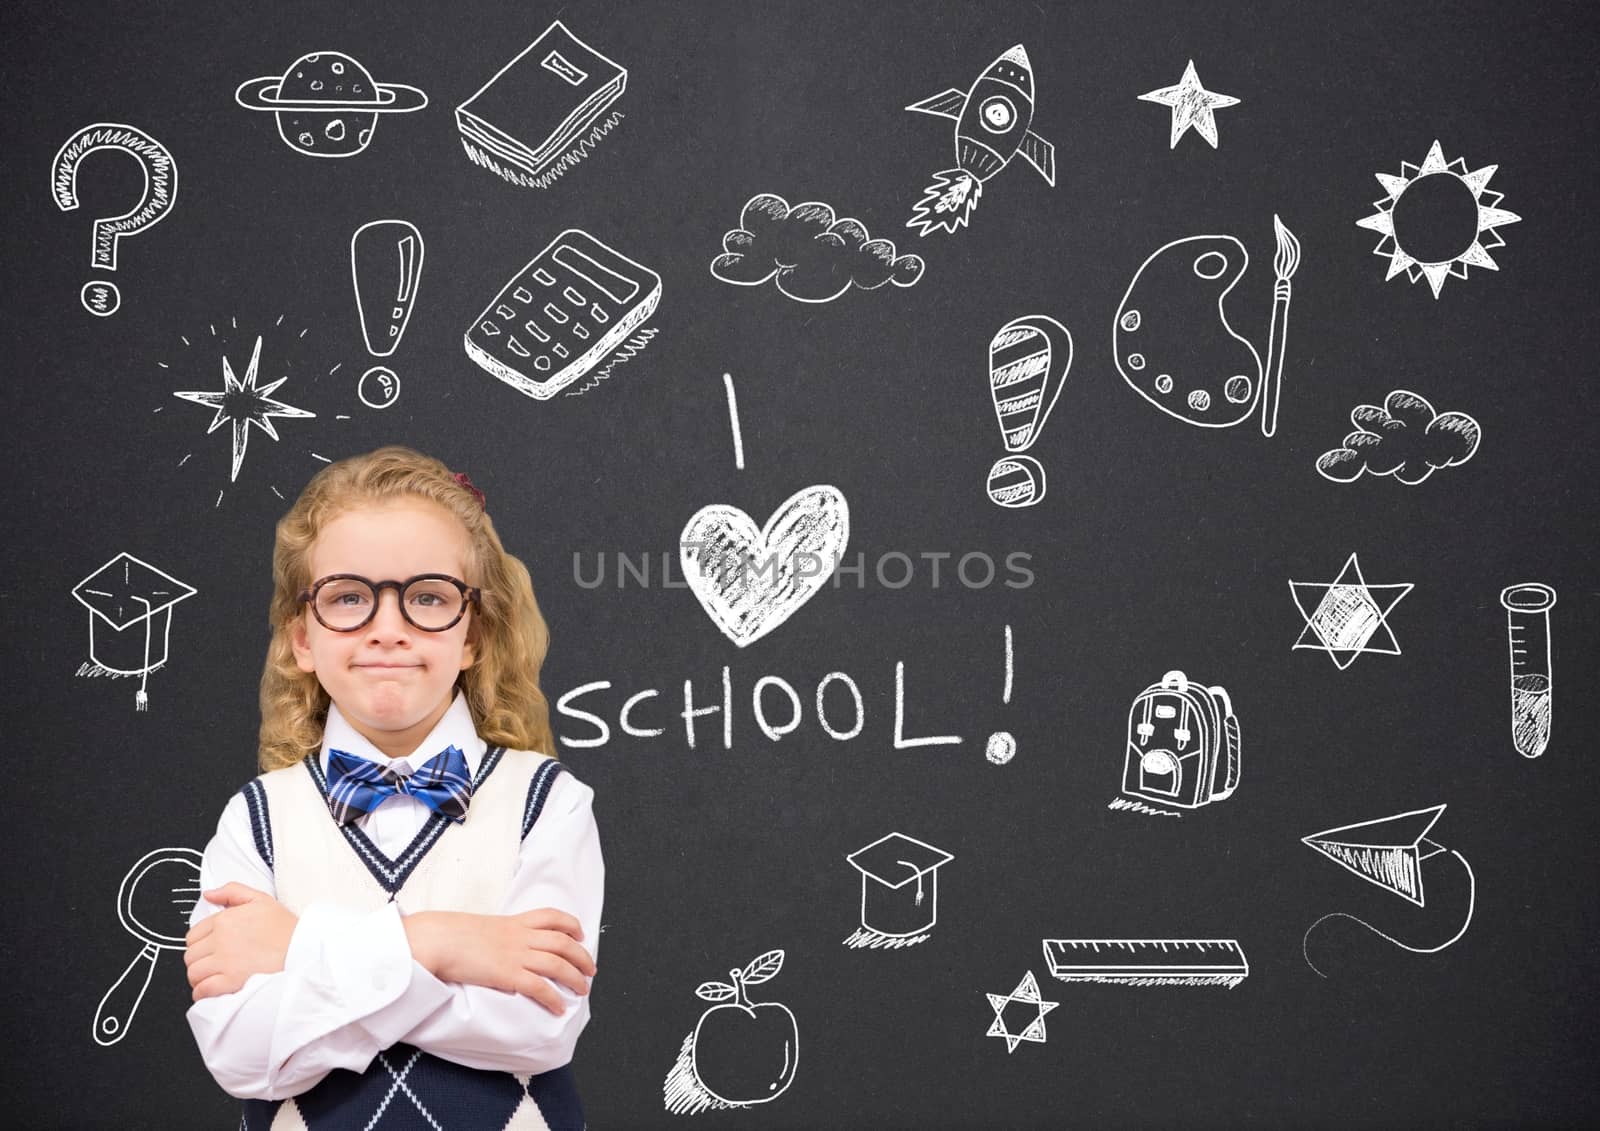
516	953
250	936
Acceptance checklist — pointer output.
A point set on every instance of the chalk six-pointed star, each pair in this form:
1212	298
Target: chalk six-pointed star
1027	991
241	403
1476	252
1348	615
1191	105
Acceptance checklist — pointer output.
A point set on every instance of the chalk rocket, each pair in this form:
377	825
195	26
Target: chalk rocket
992	120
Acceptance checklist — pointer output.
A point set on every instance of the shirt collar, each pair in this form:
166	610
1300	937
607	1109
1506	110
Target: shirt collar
454	728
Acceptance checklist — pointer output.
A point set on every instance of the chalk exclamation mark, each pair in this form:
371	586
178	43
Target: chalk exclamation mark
1002	746
733	421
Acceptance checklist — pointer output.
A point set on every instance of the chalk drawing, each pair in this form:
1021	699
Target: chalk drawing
899	891
1416	196
901	742
1005	696
1404	438
385	267
1285	262
992	119
154	902
130	606
327	104
572	306
1192	106
379	387
1148	962
629	349
386	258
1029	359
733	421
1001	746
543	112
1174	346
1183	748
1532	678
1016	481
809	253
742	1052
282	353
749	580
101	297
1349	616
241	404
839	709
1027	995
1389	853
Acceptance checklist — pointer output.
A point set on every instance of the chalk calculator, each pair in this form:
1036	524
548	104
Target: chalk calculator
562	315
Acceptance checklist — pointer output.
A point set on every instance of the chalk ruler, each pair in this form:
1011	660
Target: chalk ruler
1148	962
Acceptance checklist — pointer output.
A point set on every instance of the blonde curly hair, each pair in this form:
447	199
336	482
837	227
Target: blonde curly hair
501	687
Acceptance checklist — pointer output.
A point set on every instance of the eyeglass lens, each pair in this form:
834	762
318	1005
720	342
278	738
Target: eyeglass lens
429	603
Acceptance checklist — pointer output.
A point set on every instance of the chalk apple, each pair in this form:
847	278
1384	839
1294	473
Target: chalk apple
745	1052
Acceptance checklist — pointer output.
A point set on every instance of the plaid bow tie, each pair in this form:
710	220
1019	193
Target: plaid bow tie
357	785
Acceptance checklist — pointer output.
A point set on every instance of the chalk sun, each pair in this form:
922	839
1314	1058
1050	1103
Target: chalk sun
1412	204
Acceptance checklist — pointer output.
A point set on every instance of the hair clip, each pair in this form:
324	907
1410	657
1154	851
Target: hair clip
461	478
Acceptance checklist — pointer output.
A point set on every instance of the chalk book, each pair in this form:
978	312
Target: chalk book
528	123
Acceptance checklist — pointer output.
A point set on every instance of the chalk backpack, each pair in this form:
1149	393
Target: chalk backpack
1183	744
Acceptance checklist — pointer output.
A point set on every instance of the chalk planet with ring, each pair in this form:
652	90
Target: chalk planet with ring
327	104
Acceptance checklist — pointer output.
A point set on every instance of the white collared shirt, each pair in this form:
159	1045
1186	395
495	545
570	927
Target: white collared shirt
279	1034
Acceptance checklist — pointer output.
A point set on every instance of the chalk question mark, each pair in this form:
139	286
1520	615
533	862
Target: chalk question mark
101	297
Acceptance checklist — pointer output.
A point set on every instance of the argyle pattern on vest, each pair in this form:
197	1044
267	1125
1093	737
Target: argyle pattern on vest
463	866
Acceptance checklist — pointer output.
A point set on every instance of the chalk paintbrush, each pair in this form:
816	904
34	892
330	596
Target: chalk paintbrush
1284	264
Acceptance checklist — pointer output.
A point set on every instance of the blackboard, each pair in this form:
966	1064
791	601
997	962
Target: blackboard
1157	547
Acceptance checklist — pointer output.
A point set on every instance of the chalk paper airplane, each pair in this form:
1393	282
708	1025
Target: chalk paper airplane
1388	851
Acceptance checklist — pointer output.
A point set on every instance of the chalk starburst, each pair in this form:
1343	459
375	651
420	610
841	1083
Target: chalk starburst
242	404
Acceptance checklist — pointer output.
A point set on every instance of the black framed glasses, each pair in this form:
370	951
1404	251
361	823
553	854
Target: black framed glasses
431	602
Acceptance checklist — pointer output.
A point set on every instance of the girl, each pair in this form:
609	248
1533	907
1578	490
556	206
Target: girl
396	910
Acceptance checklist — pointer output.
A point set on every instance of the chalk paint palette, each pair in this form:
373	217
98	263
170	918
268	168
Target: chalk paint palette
1172	339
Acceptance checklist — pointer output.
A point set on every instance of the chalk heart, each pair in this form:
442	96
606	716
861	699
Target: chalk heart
751	580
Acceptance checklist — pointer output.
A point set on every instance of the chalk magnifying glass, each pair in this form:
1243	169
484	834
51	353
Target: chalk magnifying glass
154	904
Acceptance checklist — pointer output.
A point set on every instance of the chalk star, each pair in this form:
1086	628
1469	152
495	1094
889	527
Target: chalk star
1348	615
1027	991
1191	105
244	404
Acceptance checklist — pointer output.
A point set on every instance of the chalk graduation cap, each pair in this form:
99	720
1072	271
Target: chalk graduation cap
899	884
1387	852
130	615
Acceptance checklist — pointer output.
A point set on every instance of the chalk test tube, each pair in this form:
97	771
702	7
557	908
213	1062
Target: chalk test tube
1528	632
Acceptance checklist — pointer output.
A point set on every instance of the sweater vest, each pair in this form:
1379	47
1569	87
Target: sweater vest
447	867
